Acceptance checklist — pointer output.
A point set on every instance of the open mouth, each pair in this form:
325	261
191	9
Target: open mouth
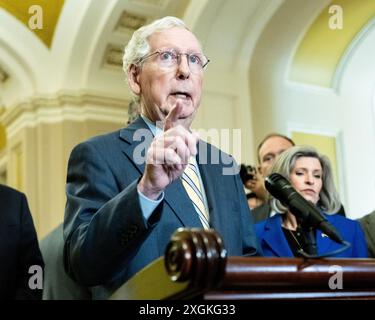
181	94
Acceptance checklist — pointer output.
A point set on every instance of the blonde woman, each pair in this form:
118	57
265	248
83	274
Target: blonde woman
311	176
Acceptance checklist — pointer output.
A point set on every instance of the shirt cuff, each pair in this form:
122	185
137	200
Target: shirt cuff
148	205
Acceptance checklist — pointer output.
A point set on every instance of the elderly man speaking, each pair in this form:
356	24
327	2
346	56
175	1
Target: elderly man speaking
128	191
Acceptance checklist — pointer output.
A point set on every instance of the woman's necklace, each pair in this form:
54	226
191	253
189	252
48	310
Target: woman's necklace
289	223
295	239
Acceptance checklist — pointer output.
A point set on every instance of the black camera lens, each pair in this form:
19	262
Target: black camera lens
247	173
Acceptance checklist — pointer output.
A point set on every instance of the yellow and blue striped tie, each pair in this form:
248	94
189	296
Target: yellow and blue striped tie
193	187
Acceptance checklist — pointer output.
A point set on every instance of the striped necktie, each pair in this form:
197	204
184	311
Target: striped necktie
193	187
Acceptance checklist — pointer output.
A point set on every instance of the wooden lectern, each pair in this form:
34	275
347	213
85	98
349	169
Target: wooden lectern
196	265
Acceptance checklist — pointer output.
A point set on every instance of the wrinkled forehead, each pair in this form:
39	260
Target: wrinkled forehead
176	38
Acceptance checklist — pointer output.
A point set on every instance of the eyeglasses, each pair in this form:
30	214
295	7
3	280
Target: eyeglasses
169	59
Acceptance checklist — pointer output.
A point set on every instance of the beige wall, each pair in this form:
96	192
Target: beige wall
343	110
38	149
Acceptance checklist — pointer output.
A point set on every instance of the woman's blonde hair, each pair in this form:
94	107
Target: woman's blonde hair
329	200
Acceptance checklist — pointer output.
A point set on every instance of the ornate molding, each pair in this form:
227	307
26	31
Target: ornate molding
197	256
113	56
154	3
4	76
129	22
63	106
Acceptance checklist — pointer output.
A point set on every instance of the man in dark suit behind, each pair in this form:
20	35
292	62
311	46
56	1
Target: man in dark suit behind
57	284
125	194
268	149
20	259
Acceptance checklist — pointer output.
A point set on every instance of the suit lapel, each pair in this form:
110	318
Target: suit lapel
275	238
219	198
323	242
211	187
138	137
178	200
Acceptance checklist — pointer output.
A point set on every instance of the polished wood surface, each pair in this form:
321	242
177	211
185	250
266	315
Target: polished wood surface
287	278
196	265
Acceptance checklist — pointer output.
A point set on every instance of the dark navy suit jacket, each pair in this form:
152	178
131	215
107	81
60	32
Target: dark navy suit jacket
107	238
19	248
274	243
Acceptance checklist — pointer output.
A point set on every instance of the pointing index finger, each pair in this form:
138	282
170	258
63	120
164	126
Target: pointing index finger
172	117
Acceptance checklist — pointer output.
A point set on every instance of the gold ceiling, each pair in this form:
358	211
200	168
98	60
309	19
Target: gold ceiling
49	11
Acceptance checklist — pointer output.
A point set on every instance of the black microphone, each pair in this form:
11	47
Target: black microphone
282	190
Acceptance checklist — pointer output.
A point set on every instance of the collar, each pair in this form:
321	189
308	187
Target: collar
156	131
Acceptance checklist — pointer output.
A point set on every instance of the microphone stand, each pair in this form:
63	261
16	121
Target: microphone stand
310	250
308	233
309	237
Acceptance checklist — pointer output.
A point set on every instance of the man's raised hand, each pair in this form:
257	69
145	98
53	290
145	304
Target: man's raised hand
168	155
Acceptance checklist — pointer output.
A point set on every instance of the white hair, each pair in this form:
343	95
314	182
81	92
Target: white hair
138	46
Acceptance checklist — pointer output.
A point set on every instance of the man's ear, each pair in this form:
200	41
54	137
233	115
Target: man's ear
133	79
